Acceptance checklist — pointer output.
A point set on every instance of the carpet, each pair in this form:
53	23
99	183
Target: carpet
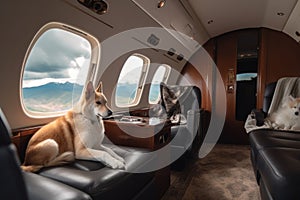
225	173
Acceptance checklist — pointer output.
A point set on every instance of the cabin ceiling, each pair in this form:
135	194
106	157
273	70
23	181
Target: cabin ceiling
219	17
204	19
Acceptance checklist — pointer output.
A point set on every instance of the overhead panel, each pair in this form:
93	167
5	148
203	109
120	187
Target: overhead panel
173	16
292	27
277	13
219	17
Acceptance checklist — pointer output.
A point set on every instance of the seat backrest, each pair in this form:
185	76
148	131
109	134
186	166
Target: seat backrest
268	96
192	100
11	181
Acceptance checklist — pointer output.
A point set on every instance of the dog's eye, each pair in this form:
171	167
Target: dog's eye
98	102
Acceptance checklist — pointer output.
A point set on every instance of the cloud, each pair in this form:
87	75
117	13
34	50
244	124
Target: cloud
54	53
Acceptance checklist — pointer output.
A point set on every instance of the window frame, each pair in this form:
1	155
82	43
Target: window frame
141	83
164	80
95	56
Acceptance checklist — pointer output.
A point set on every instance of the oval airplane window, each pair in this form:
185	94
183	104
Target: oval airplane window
161	75
131	80
50	83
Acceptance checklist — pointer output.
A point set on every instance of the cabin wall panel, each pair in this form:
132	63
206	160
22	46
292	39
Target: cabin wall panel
20	22
282	55
279	57
198	71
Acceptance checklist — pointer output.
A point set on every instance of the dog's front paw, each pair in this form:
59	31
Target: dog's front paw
116	164
295	127
275	126
119	158
286	128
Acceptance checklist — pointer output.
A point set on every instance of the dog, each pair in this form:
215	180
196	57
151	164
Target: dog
288	116
76	135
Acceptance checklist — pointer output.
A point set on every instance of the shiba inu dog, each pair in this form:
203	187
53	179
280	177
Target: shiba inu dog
288	116
78	134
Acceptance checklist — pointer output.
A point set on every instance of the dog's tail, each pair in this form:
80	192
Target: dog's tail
62	159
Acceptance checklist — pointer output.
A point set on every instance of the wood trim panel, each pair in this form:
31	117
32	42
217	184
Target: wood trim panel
278	57
262	63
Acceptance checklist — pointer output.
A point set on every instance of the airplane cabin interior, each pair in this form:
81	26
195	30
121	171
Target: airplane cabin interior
150	99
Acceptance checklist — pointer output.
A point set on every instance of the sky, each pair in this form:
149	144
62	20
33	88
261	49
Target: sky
131	71
57	56
60	56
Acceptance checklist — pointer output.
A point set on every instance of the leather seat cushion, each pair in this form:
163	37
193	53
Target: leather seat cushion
102	182
265	138
40	188
279	170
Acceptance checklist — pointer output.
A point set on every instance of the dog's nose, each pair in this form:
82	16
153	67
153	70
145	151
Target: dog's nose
297	113
109	112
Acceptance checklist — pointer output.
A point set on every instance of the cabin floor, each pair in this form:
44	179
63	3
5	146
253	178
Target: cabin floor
225	173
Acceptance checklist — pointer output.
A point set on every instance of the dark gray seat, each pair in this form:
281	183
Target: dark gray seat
16	185
279	171
102	182
263	139
186	135
41	188
187	138
275	156
80	180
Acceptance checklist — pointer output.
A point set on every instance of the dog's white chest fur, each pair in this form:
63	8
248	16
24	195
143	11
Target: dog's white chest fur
91	132
284	119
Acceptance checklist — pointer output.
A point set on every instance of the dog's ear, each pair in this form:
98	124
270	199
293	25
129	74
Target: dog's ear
89	91
100	87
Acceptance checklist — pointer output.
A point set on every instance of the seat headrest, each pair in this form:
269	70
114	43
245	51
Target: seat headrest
284	87
268	96
5	131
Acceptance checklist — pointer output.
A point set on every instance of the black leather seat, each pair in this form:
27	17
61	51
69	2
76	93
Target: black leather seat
263	139
41	188
279	171
190	108
186	135
18	185
12	182
275	156
81	180
101	182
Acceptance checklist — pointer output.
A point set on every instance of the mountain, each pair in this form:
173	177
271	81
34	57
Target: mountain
126	92
51	96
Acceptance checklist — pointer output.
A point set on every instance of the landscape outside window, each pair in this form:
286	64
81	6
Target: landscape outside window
130	79
160	75
50	78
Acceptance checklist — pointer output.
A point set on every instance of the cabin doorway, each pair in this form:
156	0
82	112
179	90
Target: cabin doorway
237	60
246	74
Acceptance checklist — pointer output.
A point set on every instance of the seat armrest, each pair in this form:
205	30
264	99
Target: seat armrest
259	116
